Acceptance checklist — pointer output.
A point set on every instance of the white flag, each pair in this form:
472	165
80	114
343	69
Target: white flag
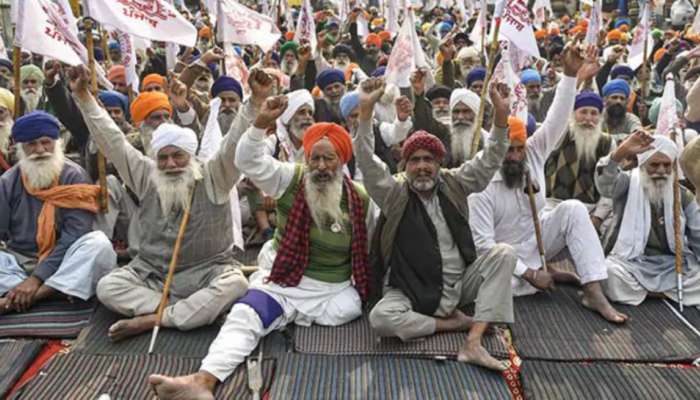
479	29
241	25
392	17
362	26
504	73
212	11
126	44
211	143
153	19
516	26
668	115
594	23
541	7
306	27
235	67
696	22
636	48
406	55
40	29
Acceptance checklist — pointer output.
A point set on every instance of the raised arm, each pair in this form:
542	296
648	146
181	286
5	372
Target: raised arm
610	180
133	167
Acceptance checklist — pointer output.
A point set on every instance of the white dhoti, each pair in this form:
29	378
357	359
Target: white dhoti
311	301
86	261
568	225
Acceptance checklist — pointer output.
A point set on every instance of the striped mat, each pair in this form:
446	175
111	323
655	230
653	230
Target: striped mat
303	376
50	319
86	376
555	326
608	381
356	338
94	339
15	357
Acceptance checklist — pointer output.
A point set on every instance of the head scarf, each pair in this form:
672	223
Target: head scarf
226	83
336	134
379	72
438	92
422	140
295	100
661	144
147	102
330	76
117	74
517	131
34	125
6	63
374	39
465	96
113	45
621	70
588	99
656	107
173	135
31	71
530	75
616	86
531	124
153	78
467	52
476	74
349	102
7	100
110	98
343	49
289	46
614	35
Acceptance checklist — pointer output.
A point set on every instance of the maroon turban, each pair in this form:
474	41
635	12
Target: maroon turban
422	140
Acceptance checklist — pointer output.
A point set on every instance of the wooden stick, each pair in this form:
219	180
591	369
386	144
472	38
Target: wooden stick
677	234
485	89
645	81
101	163
17	89
536	222
171	271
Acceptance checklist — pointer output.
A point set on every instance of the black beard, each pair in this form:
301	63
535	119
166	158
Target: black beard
616	114
512	173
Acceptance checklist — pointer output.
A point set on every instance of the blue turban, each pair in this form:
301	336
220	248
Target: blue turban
6	63
531	124
622	21
379	72
530	75
275	56
213	69
349	102
476	74
226	83
99	54
616	86
110	98
621	70
34	125
330	76
113	45
588	99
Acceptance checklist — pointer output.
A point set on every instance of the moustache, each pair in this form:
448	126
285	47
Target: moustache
39	156
322	176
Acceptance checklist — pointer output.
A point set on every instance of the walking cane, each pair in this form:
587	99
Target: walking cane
171	272
677	234
255	379
536	222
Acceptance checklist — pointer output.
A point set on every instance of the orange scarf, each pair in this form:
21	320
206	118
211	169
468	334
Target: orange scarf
81	196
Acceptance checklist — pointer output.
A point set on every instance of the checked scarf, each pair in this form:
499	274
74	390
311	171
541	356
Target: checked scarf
293	253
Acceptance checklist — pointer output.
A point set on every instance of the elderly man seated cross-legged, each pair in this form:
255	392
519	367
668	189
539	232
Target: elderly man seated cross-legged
207	280
425	240
47	208
314	270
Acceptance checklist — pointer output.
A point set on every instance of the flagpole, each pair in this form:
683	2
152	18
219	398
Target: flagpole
105	48
16	65
677	234
101	163
484	89
645	81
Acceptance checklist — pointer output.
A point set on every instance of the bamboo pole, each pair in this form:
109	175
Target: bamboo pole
101	163
17	89
536	222
171	272
677	234
485	89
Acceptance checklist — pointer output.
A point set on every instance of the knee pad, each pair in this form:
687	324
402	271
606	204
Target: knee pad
267	308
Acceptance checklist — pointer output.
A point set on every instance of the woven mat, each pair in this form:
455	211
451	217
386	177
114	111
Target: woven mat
87	376
555	326
50	319
608	381
15	357
304	376
357	338
94	339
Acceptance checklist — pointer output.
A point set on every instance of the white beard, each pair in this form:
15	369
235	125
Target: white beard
289	68
461	142
655	190
533	105
31	100
5	132
41	173
324	202
174	191
586	140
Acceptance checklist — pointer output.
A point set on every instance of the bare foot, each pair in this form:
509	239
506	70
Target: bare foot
476	354
596	301
125	328
564	277
189	387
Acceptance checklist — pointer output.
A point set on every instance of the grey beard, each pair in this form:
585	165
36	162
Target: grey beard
5	132
289	68
225	121
31	100
42	173
324	199
654	189
461	142
174	191
586	141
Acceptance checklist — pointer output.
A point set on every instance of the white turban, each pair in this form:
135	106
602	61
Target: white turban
468	52
466	97
174	135
660	144
296	99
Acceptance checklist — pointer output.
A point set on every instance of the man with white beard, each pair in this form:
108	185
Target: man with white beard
286	145
48	208
642	259
7	110
538	101
464	106
570	169
288	52
315	270
207	280
230	92
32	88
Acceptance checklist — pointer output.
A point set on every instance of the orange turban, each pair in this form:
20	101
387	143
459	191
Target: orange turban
374	39
540	34
658	54
205	32
614	34
153	78
385	36
517	131
147	102
117	74
336	134
624	28
289	36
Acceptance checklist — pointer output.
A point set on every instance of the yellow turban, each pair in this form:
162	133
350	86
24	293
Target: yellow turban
7	100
